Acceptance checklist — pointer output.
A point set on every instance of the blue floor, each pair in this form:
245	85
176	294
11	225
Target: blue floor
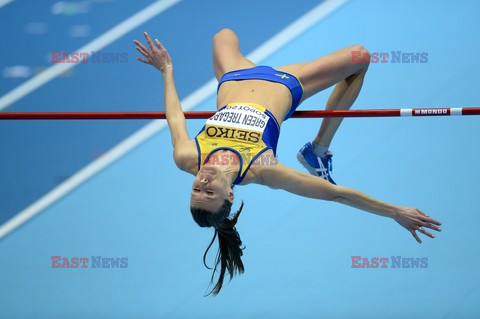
299	251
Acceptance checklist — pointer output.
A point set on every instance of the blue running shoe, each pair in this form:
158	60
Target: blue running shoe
316	165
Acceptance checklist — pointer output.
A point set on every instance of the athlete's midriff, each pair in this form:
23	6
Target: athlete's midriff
273	96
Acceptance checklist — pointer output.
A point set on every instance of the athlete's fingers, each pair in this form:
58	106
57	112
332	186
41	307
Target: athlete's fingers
431	226
140	44
145	54
163	50
432	221
149	41
429	219
160	45
414	234
423	231
142	60
422	212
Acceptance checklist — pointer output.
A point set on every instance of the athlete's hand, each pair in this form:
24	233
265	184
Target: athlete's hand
414	220
157	55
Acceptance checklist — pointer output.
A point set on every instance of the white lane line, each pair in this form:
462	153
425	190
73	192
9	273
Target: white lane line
262	52
97	44
294	29
4	2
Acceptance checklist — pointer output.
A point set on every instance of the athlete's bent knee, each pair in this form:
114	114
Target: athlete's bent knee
361	56
225	35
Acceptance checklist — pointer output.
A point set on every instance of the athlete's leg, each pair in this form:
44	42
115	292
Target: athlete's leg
342	98
337	68
226	53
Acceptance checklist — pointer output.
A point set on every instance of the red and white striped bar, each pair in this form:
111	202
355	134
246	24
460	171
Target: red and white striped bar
206	115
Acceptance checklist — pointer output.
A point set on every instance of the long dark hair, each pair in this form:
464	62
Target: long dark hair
230	249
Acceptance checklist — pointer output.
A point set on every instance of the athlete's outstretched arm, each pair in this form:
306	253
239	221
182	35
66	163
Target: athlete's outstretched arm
158	57
281	177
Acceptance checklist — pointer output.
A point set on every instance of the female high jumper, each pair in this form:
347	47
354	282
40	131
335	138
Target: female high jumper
237	146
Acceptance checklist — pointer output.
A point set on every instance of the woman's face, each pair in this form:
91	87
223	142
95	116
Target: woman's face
210	189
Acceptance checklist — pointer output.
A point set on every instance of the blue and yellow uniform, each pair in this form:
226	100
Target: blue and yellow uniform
246	129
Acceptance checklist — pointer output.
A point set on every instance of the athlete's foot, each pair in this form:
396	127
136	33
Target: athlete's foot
317	165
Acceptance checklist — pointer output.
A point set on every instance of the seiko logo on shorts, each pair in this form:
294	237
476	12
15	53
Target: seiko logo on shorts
233	133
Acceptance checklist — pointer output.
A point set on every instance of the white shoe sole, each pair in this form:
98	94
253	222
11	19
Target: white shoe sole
304	163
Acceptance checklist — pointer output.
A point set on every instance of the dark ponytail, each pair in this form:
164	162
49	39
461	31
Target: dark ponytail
230	249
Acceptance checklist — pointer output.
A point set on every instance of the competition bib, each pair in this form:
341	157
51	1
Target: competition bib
238	122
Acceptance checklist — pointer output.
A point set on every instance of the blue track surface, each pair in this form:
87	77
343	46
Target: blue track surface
298	255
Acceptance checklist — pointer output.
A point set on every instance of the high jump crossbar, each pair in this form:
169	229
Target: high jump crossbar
205	115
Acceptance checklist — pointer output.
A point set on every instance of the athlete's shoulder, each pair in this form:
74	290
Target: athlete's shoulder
265	165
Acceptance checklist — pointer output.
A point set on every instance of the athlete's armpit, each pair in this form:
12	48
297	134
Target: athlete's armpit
185	156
